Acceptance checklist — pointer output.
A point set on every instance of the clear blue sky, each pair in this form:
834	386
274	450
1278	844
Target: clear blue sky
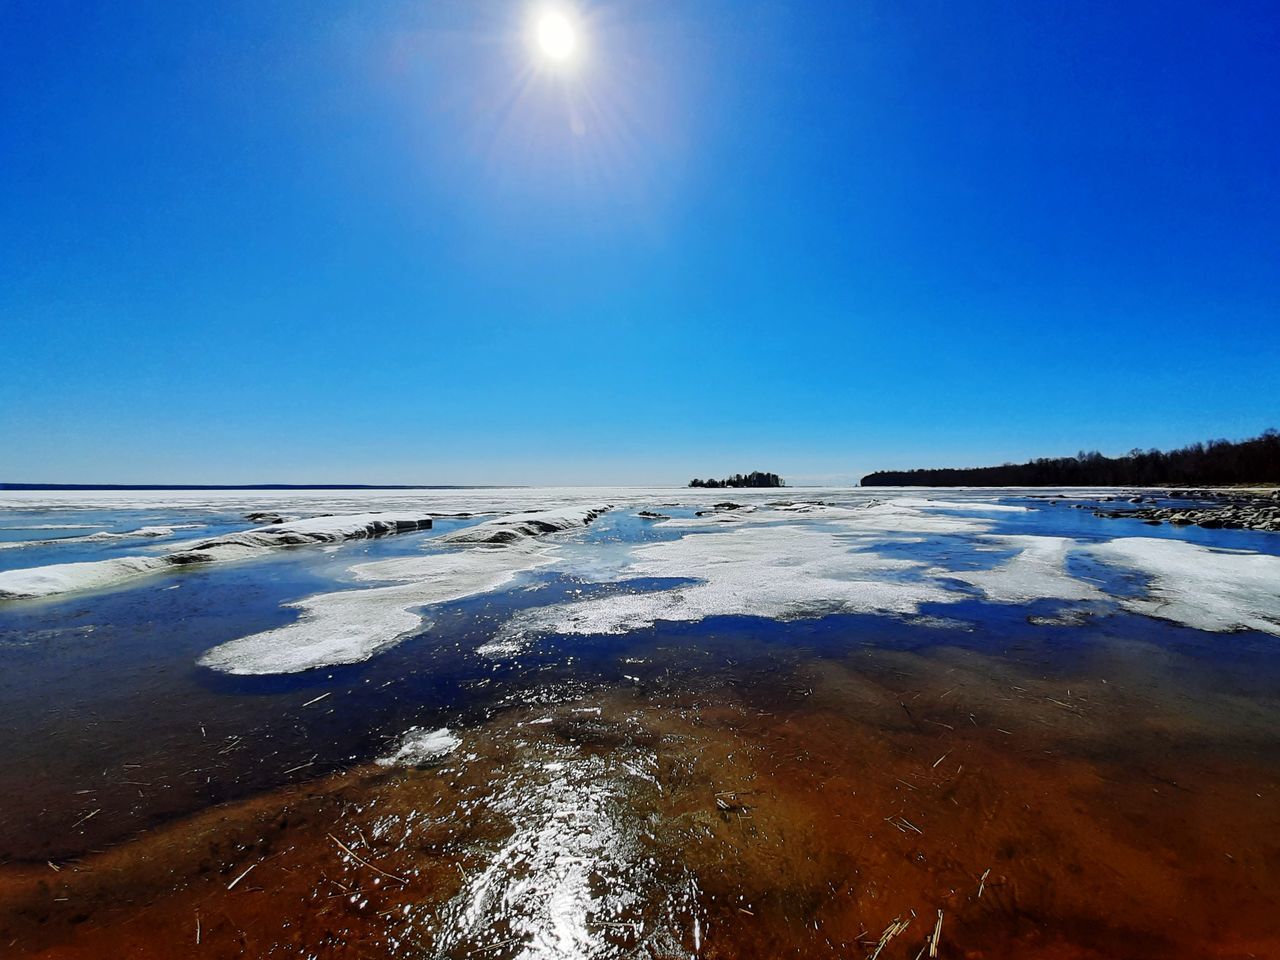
304	241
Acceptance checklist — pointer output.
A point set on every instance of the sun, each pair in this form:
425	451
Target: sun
556	37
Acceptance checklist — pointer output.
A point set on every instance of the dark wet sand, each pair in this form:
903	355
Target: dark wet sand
747	811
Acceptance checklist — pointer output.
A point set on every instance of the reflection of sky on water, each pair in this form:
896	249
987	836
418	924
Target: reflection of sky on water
578	874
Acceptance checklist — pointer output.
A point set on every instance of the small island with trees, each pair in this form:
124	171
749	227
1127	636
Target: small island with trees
1216	463
753	479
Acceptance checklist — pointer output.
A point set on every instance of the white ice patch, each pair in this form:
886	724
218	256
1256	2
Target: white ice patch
67	577
894	517
1199	586
976	506
1036	572
158	531
349	626
102	536
906	515
70	577
419	746
781	571
524	526
315	530
53	526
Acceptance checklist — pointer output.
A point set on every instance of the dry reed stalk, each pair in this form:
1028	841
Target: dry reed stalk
892	930
360	860
232	884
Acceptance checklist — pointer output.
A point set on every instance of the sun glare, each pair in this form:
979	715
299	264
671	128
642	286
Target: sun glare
557	37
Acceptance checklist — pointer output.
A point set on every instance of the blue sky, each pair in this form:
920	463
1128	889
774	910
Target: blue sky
381	242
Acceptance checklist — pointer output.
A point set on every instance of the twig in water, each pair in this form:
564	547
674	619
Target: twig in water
87	816
937	934
341	886
891	931
495	946
903	824
197	928
940	759
358	859
318	699
231	885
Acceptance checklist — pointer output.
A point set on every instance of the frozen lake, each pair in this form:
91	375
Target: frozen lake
634	722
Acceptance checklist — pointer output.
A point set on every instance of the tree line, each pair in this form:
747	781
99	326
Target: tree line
1215	463
753	479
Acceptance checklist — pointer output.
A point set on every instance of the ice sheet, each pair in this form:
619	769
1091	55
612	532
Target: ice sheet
1036	572
524	526
783	571
1198	586
54	579
348	626
57	578
102	536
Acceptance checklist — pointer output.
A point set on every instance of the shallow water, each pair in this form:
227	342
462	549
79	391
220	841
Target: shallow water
728	786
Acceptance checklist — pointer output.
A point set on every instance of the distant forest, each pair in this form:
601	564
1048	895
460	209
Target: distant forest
1215	463
753	479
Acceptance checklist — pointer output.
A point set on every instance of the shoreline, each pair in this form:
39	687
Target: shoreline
755	810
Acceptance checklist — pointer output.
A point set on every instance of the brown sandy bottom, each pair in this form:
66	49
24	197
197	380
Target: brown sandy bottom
890	804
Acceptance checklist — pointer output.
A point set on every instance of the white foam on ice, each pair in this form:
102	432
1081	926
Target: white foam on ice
419	746
1201	587
1036	572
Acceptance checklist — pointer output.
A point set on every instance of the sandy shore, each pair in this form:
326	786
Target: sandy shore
759	812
